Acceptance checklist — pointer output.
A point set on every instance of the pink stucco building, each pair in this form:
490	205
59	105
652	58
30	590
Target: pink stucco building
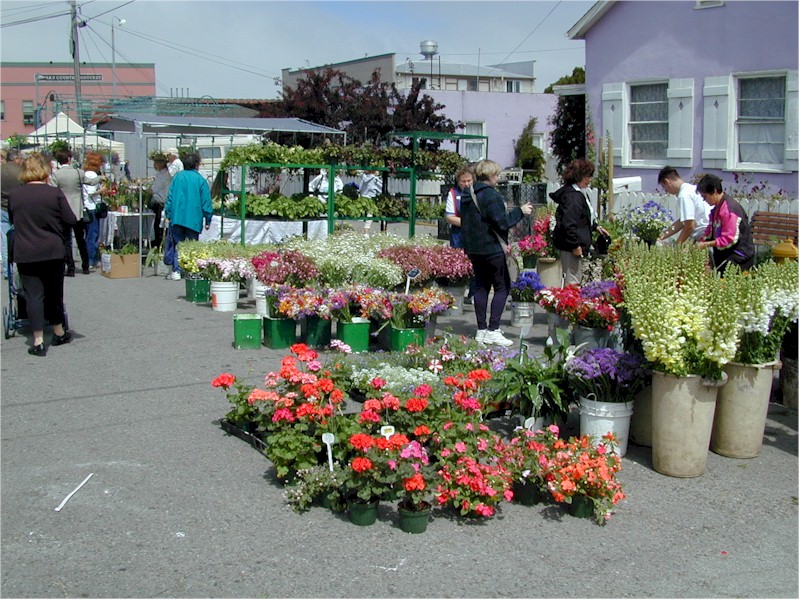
31	91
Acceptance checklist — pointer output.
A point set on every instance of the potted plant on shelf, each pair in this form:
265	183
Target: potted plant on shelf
584	475
606	382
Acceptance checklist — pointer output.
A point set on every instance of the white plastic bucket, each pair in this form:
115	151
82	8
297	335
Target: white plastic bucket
224	295
599	418
261	303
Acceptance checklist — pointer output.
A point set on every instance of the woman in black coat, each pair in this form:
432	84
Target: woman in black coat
480	226
40	213
575	219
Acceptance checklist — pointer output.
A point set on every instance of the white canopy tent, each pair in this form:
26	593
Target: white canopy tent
61	127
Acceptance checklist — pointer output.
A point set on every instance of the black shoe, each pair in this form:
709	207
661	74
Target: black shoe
85	270
62	339
70	273
38	350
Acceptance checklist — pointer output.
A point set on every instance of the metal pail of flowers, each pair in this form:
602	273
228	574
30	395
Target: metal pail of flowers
524	292
550	272
606	381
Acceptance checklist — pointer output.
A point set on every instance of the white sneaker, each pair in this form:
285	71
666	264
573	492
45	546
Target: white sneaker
174	276
497	338
480	337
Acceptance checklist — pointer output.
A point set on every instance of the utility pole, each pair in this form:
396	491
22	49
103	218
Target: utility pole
76	60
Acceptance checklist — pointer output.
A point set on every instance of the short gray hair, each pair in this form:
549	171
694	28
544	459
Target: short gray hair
487	168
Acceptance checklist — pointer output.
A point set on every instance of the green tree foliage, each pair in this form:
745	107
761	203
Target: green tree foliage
527	155
567	138
578	76
367	112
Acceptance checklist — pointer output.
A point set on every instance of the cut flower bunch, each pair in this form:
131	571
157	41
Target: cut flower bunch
595	305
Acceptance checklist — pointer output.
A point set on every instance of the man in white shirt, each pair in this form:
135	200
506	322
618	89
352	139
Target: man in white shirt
174	164
692	210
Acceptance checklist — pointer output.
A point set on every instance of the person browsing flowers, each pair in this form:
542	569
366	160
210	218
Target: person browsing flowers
483	218
575	218
728	233
188	206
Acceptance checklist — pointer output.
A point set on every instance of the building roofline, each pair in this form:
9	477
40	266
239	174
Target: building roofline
59	65
335	64
587	21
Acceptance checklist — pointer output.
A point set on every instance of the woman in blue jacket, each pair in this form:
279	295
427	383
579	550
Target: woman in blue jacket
188	206
480	226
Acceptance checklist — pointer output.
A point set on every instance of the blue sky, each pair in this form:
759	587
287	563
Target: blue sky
234	49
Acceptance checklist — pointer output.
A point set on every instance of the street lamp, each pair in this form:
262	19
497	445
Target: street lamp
114	56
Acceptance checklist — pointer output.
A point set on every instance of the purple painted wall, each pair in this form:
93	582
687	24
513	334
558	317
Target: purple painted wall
505	116
658	40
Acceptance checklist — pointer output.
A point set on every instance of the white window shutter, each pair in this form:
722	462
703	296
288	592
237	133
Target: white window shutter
614	109
680	98
717	121
791	121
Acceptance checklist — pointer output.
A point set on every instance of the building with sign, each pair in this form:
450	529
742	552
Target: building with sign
33	93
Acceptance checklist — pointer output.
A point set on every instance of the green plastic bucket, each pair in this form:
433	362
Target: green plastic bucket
279	333
399	339
355	334
247	331
198	290
315	331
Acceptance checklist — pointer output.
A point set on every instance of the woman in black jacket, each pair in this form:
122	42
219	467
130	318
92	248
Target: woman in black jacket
40	213
575	219
480	226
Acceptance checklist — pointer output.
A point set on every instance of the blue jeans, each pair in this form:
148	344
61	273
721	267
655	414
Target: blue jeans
179	234
92	241
6	225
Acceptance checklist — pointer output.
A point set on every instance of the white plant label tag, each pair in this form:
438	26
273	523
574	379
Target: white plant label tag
328	439
387	431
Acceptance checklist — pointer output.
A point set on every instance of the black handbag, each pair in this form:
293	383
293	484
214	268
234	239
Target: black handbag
87	217
101	210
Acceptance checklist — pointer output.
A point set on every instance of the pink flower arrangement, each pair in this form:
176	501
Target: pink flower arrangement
570	304
288	267
540	242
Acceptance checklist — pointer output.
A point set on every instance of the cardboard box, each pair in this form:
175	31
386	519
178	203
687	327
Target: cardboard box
119	266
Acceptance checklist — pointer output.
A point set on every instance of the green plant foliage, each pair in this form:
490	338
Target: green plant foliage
527	155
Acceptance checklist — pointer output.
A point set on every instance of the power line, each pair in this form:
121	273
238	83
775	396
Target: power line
528	36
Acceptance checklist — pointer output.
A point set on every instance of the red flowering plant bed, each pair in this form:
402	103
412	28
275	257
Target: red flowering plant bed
528	456
285	267
372	473
297	405
242	413
416	477
412	257
579	468
451	266
594	305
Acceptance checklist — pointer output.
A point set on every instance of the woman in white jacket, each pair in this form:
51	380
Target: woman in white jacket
92	181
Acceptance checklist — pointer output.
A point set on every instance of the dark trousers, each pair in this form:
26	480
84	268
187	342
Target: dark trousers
80	239
157	231
43	283
179	234
490	272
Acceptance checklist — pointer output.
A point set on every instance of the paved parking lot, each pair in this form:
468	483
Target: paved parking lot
177	508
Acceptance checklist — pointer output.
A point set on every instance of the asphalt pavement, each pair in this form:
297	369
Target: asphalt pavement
176	508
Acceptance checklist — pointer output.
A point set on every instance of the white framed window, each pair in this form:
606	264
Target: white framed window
472	85
474	150
513	87
648	123
27	112
651	123
750	121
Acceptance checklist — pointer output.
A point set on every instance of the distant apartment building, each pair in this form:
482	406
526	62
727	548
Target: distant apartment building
497	101
33	93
